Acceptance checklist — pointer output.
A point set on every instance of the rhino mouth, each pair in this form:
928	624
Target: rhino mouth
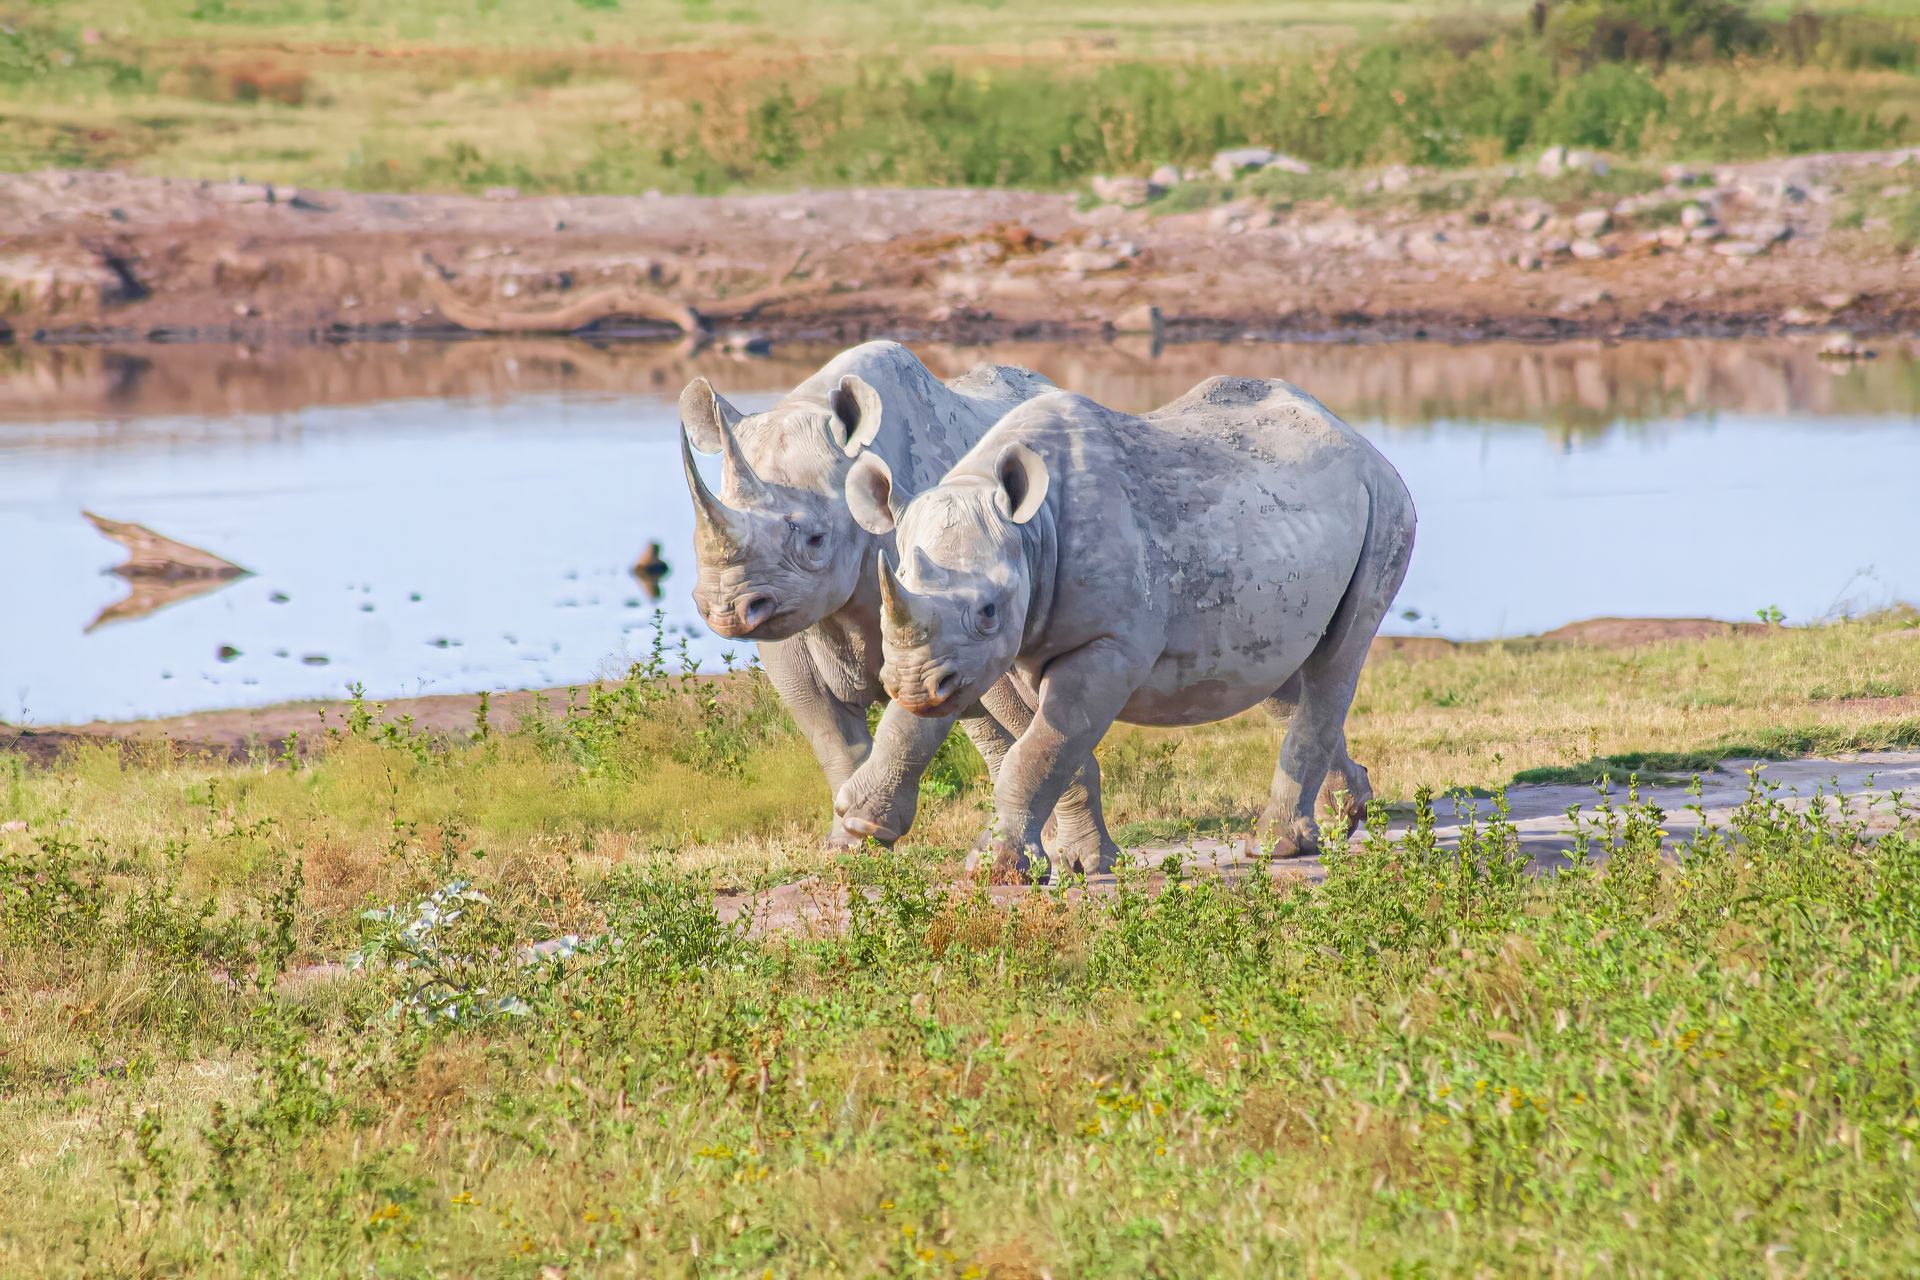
934	691
754	618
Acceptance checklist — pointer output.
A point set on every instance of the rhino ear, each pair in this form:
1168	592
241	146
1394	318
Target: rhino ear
875	503
1023	482
856	414
702	411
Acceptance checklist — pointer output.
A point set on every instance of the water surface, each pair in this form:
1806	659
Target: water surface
451	518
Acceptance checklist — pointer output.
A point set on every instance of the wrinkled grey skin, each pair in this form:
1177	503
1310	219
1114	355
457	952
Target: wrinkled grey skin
782	563
1238	547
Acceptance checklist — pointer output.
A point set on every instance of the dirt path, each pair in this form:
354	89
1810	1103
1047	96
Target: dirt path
96	256
1867	781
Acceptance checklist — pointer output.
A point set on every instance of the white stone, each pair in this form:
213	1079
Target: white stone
1591	223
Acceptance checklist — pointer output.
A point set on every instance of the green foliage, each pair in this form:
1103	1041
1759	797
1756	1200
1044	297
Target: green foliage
1435	1062
1651	31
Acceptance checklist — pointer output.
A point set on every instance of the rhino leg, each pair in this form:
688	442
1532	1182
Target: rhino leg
1075	835
880	799
836	730
1322	691
1347	791
1080	695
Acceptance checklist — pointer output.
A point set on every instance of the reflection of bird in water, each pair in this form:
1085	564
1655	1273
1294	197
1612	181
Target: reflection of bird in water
650	569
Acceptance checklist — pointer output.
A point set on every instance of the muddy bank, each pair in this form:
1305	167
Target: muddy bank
260	732
108	256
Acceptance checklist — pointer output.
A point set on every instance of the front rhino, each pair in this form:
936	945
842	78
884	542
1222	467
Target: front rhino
953	615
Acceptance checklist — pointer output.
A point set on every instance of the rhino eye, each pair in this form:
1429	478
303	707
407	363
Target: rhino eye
816	540
987	611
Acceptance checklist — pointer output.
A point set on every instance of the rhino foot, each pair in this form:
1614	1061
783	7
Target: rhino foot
845	835
1007	861
1292	838
1085	858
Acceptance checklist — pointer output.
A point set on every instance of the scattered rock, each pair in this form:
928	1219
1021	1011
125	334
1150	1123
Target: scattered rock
1426	246
1088	260
1126	191
1166	176
1591	223
241	193
1529	261
1531	220
1397	178
1673	237
501	193
1836	301
1802	316
1552	162
1223	218
1589	250
1588	161
1678	175
1231	163
1694	215
1740	248
1706	233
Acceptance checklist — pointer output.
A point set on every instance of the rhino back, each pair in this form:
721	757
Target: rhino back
1223	528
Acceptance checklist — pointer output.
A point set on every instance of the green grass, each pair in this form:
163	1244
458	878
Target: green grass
1693	1063
571	98
1433	1063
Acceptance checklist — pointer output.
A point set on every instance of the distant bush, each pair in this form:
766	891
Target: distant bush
1405	101
1654	31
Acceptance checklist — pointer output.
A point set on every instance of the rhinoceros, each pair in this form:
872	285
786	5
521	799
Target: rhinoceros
1236	548
782	563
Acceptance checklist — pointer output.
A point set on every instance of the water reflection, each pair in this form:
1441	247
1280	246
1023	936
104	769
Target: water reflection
508	514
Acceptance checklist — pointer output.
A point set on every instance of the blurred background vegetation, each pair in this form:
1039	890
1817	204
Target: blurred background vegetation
705	95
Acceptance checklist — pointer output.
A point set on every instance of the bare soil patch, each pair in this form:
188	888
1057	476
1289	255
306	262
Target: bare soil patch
98	256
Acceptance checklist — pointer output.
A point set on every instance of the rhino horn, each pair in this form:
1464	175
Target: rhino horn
927	571
896	602
721	529
738	480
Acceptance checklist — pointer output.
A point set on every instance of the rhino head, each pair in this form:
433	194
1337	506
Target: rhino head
953	614
776	549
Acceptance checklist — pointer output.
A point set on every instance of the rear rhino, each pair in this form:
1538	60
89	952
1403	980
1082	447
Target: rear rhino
782	563
1238	547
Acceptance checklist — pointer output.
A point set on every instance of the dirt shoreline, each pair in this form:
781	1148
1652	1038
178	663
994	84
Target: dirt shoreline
111	257
246	732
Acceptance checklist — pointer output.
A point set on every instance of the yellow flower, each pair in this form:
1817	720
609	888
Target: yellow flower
1443	1090
465	1200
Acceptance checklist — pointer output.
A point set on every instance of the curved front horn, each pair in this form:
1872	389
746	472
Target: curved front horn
737	479
896	604
719	531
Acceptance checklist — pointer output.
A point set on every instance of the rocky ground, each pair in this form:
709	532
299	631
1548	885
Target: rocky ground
1764	247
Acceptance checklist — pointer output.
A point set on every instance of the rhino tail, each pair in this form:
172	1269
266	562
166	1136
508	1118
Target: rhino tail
1385	553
